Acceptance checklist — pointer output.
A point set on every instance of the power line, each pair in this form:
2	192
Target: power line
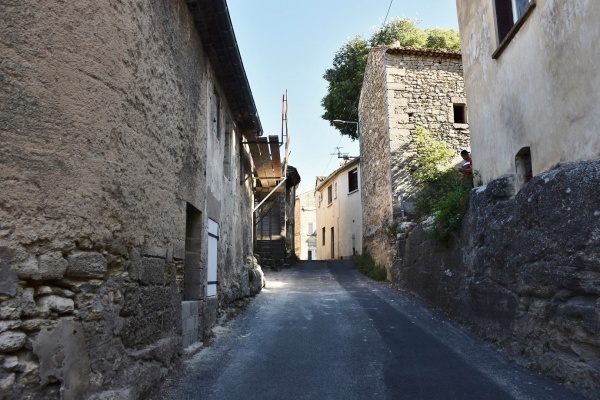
388	13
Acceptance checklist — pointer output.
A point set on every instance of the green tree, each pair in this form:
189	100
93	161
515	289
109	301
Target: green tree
346	76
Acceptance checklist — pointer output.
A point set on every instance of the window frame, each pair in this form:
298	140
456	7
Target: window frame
516	25
329	195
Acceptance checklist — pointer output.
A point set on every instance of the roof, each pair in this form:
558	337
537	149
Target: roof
213	24
335	173
439	53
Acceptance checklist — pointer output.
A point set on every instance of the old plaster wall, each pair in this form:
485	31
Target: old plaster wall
542	91
525	271
402	90
104	128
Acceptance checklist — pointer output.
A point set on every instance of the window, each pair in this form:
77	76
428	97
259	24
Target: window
329	194
310	228
227	149
323	236
353	180
335	190
216	114
460	116
508	13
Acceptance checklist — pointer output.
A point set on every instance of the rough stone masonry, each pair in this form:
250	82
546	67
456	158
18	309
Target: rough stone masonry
108	110
524	271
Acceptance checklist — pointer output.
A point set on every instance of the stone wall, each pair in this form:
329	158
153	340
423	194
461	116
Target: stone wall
104	123
402	90
422	89
525	271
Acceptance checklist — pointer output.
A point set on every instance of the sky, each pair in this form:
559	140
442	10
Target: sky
288	45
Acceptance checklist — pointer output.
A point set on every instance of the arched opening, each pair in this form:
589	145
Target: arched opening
523	170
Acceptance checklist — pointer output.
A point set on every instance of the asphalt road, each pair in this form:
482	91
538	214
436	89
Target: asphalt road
321	330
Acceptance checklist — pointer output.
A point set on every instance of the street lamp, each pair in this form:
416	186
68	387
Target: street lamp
339	121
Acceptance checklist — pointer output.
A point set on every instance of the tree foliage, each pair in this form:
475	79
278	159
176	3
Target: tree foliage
346	76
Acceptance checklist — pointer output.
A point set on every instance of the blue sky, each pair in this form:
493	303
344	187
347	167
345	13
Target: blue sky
288	45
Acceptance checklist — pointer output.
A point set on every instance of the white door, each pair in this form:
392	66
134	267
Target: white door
211	271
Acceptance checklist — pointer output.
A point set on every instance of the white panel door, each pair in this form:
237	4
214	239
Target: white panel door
211	270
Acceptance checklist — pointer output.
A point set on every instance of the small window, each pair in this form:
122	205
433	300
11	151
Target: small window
335	190
227	149
353	180
329	194
323	236
216	114
523	168
310	228
460	116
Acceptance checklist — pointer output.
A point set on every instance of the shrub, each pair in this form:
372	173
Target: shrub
367	266
444	193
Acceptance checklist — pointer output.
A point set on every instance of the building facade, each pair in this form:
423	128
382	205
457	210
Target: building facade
306	226
120	237
527	123
339	216
404	89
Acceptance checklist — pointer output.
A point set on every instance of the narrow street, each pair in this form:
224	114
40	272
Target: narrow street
323	331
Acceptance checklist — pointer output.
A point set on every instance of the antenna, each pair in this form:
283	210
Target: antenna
340	154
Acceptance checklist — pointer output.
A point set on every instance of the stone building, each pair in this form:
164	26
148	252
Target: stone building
306	226
339	216
126	194
403	89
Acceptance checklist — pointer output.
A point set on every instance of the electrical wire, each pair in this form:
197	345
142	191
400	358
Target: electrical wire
388	13
331	158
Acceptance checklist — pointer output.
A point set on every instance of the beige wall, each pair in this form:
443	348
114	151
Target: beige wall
105	126
543	90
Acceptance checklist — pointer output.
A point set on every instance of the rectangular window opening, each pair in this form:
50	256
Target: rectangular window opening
192	266
353	180
323	236
329	194
459	114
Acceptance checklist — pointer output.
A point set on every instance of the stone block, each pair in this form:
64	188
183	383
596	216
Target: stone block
10	313
62	355
153	271
52	266
8	277
135	265
87	265
60	305
10	362
9	325
179	250
154	251
6	385
11	341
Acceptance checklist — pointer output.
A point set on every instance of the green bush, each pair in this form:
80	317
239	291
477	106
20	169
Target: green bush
367	266
444	192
